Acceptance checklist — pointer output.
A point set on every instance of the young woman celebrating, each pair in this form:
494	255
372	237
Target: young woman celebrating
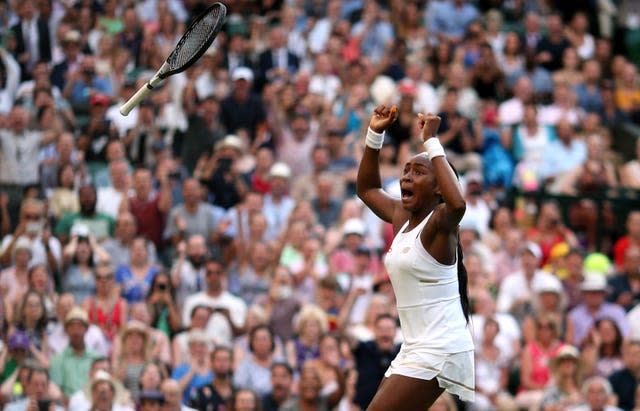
425	266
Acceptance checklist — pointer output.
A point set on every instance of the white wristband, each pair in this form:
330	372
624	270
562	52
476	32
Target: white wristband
374	140
434	148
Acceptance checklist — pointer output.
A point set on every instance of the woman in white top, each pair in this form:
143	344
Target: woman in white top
425	267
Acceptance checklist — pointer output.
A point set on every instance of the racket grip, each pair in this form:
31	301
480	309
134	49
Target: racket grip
140	95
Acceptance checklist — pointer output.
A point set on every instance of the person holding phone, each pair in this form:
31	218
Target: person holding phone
162	305
425	267
36	393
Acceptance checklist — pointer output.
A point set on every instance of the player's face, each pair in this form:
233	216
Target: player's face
418	185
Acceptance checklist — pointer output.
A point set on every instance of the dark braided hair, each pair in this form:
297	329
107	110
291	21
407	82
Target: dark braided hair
462	284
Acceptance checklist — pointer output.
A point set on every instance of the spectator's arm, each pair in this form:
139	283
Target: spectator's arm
12	71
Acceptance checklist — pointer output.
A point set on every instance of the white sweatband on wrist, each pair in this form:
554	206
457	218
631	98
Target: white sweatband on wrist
434	148
373	139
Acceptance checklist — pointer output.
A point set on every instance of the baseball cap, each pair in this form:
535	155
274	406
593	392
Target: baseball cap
354	226
99	99
534	249
242	73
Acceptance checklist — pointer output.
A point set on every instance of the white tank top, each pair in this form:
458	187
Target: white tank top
427	295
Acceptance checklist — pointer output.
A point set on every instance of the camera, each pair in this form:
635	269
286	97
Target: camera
224	163
43	405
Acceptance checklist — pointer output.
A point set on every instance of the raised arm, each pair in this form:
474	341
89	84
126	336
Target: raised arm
368	183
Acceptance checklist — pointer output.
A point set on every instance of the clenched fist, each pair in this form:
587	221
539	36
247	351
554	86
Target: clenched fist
430	124
382	118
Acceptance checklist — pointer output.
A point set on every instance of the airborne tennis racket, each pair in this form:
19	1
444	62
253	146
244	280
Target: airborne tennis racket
194	42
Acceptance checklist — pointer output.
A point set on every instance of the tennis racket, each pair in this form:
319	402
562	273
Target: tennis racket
194	42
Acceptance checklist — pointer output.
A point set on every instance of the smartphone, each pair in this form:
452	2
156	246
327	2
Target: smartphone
224	163
43	405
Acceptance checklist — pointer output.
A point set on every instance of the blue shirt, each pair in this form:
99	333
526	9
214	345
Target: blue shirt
591	102
134	290
197	381
443	17
560	159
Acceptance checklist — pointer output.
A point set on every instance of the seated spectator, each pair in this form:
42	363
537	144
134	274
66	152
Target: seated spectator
70	368
131	355
32	319
602	349
623	287
281	385
106	393
100	225
36	393
118	246
549	230
598	393
492	369
564	390
197	372
79	259
254	372
594	307
135	279
173	396
548	300
562	157
252	276
625	381
535	372
588	92
569	74
106	308
311	325
229	311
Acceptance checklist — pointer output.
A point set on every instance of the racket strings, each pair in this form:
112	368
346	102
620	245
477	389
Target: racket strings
199	35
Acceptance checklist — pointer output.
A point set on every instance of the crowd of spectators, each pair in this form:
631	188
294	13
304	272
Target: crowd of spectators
208	251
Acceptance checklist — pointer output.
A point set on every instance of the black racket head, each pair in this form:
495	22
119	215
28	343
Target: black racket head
196	39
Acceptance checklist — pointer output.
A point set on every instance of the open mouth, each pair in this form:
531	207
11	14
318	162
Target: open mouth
406	194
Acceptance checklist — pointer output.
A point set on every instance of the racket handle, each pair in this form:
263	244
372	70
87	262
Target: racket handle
140	95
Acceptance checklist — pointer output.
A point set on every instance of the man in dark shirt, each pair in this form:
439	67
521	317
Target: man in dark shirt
625	381
551	47
281	380
372	358
243	110
214	396
624	287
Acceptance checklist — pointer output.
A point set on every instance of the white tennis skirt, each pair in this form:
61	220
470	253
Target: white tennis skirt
454	372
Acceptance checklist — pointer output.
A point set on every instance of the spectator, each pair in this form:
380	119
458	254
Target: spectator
99	225
550	48
535	371
594	307
563	156
118	246
32	319
602	349
244	400
277	203
564	390
625	381
173	396
131	355
511	111
632	238
135	278
372	358
254	372
80	257
597	392
242	109
198	371
106	393
14	278
194	216
280	304
70	367
36	393
448	19
229	311
623	287
568	75
219	391
588	92
106	308
163	310
200	315
548	300
311	393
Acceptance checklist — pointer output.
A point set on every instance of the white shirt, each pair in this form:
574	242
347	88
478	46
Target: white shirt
511	112
109	200
122	123
80	402
19	153
38	253
515	286
509	332
218	326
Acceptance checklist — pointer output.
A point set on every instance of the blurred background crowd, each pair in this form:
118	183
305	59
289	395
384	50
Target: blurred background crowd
207	251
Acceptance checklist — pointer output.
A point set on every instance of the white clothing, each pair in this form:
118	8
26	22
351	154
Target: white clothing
437	340
109	200
19	154
634	320
218	326
326	86
511	112
509	332
94	339
80	402
38	253
22	404
515	286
